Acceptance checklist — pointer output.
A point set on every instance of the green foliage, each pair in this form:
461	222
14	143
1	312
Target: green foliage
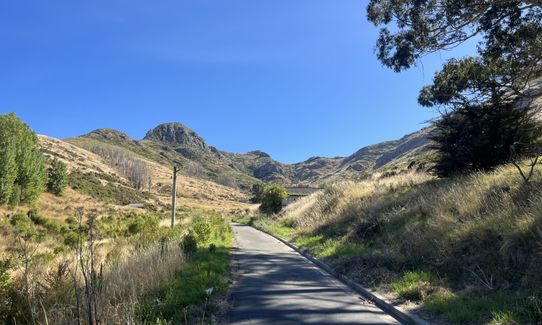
185	298
212	248
50	225
414	285
477	95
472	138
57	178
201	230
272	198
257	192
90	184
495	308
22	166
509	29
189	245
70	239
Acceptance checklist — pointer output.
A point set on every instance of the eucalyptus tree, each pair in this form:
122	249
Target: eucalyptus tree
500	76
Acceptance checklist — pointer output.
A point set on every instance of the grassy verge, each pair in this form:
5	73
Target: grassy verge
144	273
190	297
499	307
467	248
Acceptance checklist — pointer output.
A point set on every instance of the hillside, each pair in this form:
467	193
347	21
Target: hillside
175	143
465	250
96	184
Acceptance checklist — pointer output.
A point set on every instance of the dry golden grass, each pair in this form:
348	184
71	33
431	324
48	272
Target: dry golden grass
192	193
468	247
74	157
485	225
127	278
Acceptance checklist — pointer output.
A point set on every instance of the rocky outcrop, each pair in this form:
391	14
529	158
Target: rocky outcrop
177	134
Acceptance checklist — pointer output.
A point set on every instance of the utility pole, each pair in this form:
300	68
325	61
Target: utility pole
174	196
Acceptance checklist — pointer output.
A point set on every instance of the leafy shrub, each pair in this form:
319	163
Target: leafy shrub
48	224
480	138
272	198
90	184
257	193
189	245
202	230
212	248
70	239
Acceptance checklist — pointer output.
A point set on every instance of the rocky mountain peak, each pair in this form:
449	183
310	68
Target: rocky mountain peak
259	153
108	135
176	134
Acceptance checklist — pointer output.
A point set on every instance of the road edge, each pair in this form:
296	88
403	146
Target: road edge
402	316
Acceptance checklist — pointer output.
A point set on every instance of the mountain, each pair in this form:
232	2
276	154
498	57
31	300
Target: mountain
177	135
175	143
97	181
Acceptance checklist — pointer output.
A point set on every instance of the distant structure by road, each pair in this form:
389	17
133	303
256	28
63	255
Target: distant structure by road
295	193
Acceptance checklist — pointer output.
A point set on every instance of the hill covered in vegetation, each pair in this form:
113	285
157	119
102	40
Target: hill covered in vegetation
465	250
174	143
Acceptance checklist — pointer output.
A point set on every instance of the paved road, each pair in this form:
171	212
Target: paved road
276	285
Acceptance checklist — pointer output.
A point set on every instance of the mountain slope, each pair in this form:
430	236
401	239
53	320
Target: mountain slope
174	143
92	175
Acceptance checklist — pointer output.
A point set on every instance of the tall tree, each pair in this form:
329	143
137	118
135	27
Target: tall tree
57	177
509	34
500	77
22	165
8	154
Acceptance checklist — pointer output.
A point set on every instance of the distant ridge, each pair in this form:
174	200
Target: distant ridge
175	143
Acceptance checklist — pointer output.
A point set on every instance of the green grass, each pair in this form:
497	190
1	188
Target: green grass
495	308
420	286
413	285
282	228
329	247
184	299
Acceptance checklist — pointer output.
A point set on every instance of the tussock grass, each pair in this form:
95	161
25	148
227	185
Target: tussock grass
474	235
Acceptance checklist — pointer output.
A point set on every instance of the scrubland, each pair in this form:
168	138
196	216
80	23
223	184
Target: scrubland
468	248
116	269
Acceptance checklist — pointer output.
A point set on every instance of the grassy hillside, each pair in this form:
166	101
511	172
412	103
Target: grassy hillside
469	248
99	184
174	143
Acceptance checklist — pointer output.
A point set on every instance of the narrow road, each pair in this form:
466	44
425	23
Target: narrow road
276	285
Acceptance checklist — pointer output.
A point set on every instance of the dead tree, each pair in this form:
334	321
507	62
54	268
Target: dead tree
86	261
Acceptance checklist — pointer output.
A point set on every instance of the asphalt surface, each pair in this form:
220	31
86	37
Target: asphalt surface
276	285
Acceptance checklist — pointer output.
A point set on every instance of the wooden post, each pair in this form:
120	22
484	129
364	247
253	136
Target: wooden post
174	196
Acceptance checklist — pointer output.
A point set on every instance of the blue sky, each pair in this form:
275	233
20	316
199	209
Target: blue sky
294	78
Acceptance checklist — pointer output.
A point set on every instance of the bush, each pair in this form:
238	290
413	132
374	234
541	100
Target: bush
212	248
71	239
480	138
272	198
57	178
202	230
189	245
257	193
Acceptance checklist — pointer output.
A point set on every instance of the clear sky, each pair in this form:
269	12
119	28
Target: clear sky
294	78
